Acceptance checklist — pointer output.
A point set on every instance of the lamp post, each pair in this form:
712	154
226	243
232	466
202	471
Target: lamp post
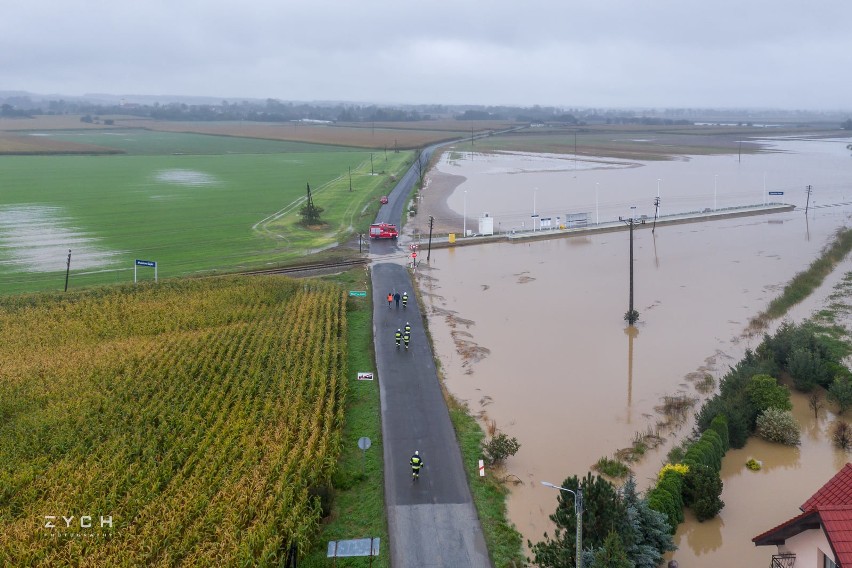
578	510
464	215
715	179
597	215
533	215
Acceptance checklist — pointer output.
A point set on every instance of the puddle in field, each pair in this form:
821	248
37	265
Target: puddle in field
192	178
35	238
531	336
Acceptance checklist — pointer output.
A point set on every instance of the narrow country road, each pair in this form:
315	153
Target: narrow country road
433	522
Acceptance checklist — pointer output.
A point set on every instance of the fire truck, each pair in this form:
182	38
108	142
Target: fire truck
383	231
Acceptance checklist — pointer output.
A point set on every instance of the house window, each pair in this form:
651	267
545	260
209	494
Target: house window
827	563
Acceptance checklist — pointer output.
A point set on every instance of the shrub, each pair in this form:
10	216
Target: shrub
719	424
778	426
764	392
840	392
500	447
662	501
680	468
612	468
703	489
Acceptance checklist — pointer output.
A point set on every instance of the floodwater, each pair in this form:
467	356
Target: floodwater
531	335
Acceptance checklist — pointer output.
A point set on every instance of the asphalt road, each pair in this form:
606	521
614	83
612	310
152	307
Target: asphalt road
432	522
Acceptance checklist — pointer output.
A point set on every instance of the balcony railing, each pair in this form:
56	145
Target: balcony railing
783	561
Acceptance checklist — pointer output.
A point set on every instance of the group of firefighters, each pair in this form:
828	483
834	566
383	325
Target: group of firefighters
403	335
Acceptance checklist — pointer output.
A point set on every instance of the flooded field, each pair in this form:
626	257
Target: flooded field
532	337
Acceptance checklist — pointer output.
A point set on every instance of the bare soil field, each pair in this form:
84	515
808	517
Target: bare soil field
380	136
40	145
637	142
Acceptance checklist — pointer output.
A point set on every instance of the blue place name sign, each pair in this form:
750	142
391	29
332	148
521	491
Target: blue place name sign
150	263
776	193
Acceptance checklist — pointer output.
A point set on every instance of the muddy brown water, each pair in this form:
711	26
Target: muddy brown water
531	336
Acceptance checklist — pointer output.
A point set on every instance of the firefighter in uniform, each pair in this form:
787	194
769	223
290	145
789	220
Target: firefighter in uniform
406	337
416	464
407	328
404	299
398	337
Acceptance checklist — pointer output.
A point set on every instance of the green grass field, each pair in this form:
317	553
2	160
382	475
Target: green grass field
192	203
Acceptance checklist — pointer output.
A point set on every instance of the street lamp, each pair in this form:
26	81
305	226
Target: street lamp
578	510
597	215
533	215
464	222
715	178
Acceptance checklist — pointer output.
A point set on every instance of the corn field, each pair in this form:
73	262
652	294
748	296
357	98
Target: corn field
192	423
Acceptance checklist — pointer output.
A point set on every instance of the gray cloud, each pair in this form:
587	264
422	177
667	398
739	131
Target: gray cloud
569	53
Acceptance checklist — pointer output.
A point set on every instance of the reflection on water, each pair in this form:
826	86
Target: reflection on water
543	326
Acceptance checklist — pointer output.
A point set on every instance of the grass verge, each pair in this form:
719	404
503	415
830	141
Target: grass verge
504	542
489	494
358	509
805	282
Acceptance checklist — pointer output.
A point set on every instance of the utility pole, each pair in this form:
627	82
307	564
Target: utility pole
632	315
429	250
350	178
67	269
372	173
807	203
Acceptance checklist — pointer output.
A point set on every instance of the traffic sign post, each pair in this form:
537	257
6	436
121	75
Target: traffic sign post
776	193
149	263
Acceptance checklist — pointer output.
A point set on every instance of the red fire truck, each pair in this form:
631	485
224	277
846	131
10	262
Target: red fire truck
383	231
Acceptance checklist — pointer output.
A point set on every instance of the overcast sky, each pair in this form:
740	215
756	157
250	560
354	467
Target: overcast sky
789	54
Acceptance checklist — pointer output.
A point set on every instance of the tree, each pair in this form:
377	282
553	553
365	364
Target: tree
611	554
650	533
847	125
603	512
840	393
310	213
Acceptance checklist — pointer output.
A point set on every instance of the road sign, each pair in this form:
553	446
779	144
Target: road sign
357	547
365	376
776	193
151	263
364	443
414	255
358	293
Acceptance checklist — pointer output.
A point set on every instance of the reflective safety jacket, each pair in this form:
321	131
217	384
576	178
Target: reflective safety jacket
406	337
408	329
416	463
398	335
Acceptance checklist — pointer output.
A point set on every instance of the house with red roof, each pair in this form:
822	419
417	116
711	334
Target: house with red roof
821	536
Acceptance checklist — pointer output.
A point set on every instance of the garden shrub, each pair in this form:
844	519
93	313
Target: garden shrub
779	426
764	392
719	424
702	489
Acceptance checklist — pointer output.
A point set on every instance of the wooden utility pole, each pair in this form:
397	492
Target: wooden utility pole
807	202
67	269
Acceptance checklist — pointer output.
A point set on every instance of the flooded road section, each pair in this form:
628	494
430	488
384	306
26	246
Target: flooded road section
532	337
